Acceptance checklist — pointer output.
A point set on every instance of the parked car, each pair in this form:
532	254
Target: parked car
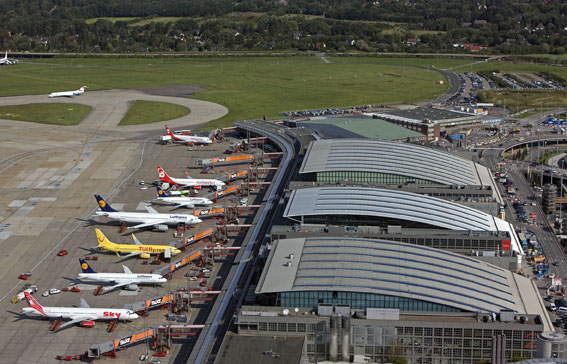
54	291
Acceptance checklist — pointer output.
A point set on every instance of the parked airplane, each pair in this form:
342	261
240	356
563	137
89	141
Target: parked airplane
6	60
181	201
189	182
138	249
68	93
189	139
150	218
128	280
85	315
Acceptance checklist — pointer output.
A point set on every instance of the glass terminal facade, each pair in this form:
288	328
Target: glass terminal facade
359	300
368	177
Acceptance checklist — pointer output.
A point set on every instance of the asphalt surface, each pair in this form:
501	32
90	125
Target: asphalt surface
109	107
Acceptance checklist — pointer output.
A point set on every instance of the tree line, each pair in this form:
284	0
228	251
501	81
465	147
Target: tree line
496	26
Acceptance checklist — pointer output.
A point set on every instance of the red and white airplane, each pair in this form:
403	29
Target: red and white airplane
189	182
85	315
186	138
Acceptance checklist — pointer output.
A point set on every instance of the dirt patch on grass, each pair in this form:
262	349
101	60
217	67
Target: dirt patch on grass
174	91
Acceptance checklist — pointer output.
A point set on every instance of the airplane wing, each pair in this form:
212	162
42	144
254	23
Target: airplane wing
151	210
84	303
121	284
126	270
146	224
188	205
131	255
77	319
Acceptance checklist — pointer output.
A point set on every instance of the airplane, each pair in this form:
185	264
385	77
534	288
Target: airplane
128	280
85	315
181	201
137	249
6	60
189	139
189	182
149	218
68	93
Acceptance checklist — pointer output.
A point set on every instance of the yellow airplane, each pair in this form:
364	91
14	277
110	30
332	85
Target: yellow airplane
138	249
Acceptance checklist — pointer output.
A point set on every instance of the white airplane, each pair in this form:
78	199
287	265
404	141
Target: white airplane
85	315
150	218
127	279
68	93
6	60
185	138
181	201
189	182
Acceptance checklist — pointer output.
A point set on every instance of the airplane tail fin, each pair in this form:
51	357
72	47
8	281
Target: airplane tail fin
103	241
168	131
34	304
164	176
104	206
161	193
85	266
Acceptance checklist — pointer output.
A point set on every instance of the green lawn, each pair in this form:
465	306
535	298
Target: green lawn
114	20
163	19
57	114
145	112
249	87
520	100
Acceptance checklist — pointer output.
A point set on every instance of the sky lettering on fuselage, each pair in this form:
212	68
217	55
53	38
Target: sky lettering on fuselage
111	314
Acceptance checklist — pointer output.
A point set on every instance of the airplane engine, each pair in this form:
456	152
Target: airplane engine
145	256
132	287
88	324
161	228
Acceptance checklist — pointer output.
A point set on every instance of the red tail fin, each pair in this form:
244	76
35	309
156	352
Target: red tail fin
168	131
163	176
34	304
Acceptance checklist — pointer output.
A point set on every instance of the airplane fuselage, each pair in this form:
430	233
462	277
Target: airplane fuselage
185	200
134	248
93	313
191	182
139	217
139	278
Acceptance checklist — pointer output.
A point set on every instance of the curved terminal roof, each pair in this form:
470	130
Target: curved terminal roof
379	156
394	204
389	268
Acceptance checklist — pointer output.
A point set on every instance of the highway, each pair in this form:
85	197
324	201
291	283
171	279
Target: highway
525	193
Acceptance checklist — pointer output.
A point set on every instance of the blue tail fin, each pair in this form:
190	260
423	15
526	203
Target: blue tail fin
104	206
160	192
85	266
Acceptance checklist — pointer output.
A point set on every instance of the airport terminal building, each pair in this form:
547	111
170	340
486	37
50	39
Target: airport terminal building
394	300
398	165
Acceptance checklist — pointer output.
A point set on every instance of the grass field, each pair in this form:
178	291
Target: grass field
163	19
520	100
114	20
57	114
249	87
145	112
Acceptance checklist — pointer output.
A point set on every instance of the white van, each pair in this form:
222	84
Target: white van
552	307
562	311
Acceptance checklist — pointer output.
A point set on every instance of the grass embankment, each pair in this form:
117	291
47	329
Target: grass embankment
522	100
57	114
249	87
145	112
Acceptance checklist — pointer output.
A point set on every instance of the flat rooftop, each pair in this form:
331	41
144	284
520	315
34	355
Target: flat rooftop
239	349
420	113
363	127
